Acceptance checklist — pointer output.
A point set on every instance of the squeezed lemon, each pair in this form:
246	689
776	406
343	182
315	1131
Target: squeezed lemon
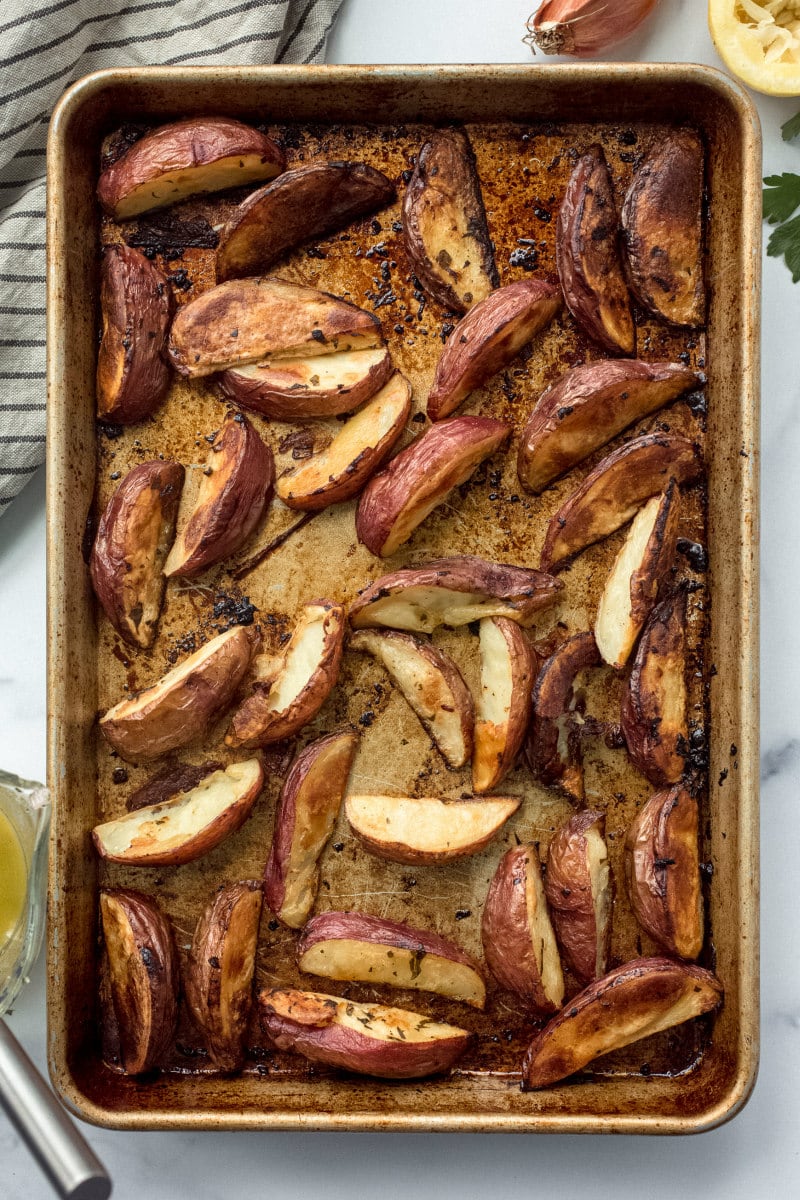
13	879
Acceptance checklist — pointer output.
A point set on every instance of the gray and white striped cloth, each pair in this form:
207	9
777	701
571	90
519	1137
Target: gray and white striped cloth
44	49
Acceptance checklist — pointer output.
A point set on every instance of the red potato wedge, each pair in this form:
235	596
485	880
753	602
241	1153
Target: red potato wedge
184	703
491	334
365	949
638	572
220	969
453	591
662	224
444	224
588	406
615	490
431	683
186	826
427	830
588	256
143	974
169	781
304	203
508	669
304	819
186	158
133	539
421	477
662	872
281	708
369	1039
234	493
517	935
340	471
265	318
654	719
638	999
319	385
579	892
553	746
135	306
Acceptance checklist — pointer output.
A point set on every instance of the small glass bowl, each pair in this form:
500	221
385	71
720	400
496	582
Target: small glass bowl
27	807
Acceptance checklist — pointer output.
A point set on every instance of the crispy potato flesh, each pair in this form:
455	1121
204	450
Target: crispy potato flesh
639	570
185	826
553	746
431	683
355	946
636	1000
426	829
340	471
578	889
588	406
654	718
322	385
504	703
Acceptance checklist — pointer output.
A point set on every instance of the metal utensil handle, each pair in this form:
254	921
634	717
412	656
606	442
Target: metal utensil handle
62	1153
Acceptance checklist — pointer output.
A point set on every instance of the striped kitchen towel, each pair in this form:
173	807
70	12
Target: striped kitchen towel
44	49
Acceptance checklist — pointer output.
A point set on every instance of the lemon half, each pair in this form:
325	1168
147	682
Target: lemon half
759	40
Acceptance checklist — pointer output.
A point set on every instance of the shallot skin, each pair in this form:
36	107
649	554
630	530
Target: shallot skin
584	28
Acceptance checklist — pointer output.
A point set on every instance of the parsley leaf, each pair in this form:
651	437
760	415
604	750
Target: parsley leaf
791	128
785	241
781	197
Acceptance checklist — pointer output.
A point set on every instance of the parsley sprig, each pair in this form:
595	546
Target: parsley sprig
781	199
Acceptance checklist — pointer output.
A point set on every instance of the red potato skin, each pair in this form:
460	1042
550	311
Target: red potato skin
361	927
551	694
568	888
282	403
497	746
143	509
655	748
136	306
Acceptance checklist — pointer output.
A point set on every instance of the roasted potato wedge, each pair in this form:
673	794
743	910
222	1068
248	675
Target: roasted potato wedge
144	976
662	224
185	158
320	385
654	718
508	669
234	493
370	1039
304	819
638	999
133	539
279	709
614	491
518	939
588	406
220	968
444	224
421	477
265	319
588	256
135	306
662	872
340	471
186	826
427	830
365	949
453	591
638	571
169	781
183	704
431	683
553	746
303	203
579	892
488	338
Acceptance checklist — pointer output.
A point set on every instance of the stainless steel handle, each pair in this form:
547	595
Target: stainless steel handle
61	1151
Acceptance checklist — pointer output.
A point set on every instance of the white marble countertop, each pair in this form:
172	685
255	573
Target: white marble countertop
757	1154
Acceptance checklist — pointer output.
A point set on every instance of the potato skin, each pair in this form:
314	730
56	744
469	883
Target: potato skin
133	539
653	713
662	872
303	203
631	1002
497	745
183	704
488	338
551	695
588	256
280	390
613	491
406	851
144	976
588	406
568	887
220	968
309	803
136	306
662	223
